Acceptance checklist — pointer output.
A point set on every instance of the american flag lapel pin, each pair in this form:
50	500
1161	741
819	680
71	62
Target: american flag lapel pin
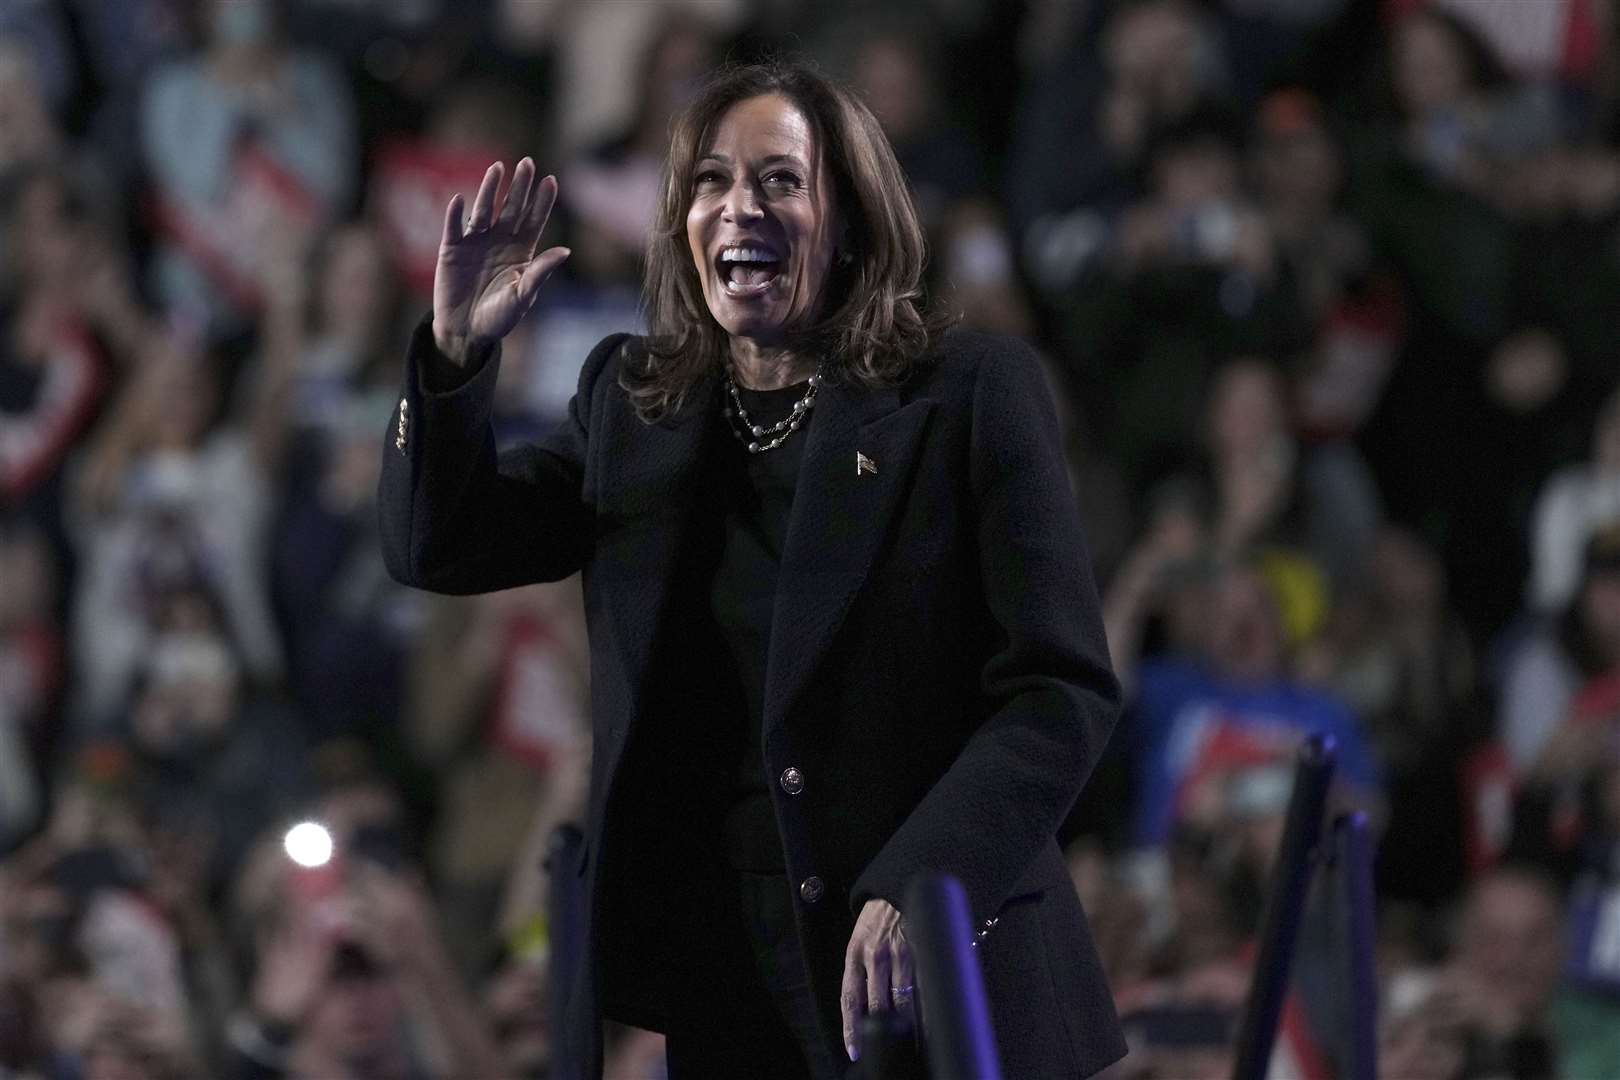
864	464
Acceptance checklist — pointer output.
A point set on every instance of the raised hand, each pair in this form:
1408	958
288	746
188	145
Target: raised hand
490	264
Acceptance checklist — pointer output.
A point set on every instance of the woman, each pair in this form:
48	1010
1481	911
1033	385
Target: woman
842	625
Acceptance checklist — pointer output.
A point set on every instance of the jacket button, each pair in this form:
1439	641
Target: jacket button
811	888
792	780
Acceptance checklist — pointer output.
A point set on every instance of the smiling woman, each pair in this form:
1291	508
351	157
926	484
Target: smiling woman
798	170
843	629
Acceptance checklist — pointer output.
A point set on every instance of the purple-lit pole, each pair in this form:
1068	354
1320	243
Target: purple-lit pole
1354	857
950	988
1290	880
565	923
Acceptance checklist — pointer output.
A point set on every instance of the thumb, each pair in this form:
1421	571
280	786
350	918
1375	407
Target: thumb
539	268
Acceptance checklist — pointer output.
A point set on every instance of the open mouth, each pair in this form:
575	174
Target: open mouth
747	270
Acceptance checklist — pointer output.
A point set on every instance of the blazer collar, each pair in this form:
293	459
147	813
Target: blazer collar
841	514
842	510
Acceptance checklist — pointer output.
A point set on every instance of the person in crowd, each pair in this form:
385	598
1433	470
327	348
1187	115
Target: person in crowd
1575	503
249	138
1499	1005
893	73
1299	177
342	315
1546	670
1272	489
1191	276
168	490
497	697
318	397
355	984
102	962
976	270
1558	359
217	757
1084	130
825	571
613	188
1396	652
1567	809
1214	730
62	333
1425	169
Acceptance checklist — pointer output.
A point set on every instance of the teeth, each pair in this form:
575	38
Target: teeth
747	254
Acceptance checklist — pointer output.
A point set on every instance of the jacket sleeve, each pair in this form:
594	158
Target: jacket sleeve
457	518
1051	695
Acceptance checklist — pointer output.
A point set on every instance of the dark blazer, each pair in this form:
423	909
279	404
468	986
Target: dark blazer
937	672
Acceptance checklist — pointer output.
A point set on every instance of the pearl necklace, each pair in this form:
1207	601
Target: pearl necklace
743	426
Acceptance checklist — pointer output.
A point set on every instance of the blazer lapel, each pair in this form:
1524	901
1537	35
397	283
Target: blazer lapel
857	464
648	507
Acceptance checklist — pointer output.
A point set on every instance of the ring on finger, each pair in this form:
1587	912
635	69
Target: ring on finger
901	994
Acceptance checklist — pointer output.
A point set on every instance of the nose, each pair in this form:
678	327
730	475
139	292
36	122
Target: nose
742	204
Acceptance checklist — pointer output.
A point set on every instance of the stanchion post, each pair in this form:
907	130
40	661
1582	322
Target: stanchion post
1352	845
565	922
1291	879
956	1029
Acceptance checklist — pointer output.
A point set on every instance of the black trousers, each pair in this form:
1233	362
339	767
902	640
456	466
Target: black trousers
756	1017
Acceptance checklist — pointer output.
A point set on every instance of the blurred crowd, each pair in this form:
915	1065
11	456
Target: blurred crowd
1327	291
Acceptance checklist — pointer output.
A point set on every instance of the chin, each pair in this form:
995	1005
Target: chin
763	327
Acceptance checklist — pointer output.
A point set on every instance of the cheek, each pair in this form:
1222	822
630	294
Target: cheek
697	236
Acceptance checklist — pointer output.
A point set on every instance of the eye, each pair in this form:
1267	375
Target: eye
708	178
782	178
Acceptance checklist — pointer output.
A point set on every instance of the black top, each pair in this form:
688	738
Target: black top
757	498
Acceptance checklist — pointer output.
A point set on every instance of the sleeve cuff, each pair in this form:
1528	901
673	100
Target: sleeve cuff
440	374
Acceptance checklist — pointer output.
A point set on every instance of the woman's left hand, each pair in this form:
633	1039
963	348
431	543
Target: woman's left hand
877	969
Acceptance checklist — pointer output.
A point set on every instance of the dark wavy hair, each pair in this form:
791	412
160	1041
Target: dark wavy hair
875	324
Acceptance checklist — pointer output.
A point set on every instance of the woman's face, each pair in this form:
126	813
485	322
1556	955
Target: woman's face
762	225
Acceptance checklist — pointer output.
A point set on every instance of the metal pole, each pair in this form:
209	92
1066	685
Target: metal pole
956	1027
1354	858
1291	879
565	933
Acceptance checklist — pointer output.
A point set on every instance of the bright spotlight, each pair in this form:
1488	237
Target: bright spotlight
309	844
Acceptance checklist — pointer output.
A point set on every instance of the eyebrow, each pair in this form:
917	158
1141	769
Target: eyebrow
773	159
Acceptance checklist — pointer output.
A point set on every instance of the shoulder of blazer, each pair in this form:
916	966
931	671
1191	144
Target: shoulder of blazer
601	368
963	364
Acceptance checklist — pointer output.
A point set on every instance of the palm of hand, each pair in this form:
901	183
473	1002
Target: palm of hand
490	267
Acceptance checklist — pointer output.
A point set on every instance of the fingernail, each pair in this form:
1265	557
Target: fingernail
854	1054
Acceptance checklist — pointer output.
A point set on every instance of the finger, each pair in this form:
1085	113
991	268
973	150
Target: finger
534	222
903	978
878	987
517	196
852	1000
483	211
536	273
